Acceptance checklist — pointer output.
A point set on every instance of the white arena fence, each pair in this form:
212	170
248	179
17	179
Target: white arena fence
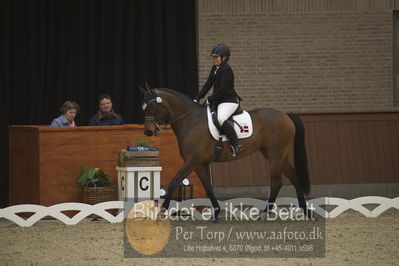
84	210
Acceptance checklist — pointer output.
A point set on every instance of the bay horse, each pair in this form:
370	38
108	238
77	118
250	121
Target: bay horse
274	133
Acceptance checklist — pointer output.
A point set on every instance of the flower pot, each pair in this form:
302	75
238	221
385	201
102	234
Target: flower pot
94	195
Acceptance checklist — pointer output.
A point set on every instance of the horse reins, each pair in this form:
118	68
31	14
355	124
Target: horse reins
157	122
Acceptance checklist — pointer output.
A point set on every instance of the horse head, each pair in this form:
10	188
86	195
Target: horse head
155	113
167	107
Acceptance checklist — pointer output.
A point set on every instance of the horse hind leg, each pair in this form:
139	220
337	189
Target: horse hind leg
290	172
276	165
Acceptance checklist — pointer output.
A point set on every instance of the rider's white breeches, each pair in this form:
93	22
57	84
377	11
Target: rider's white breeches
225	110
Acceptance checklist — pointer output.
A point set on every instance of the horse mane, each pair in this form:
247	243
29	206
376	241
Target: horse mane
177	94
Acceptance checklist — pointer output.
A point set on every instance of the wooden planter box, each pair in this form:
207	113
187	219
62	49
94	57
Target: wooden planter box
138	158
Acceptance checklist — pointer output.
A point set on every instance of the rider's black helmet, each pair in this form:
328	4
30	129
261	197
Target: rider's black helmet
220	50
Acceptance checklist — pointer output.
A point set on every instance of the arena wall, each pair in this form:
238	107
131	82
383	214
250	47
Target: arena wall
304	55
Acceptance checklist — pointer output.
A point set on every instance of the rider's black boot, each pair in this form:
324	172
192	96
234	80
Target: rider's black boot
235	146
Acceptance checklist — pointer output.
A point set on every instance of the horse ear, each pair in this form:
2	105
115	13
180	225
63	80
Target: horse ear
142	89
149	89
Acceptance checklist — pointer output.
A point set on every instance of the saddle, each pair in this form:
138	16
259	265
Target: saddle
243	127
241	119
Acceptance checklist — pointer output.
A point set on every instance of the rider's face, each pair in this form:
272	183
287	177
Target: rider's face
217	60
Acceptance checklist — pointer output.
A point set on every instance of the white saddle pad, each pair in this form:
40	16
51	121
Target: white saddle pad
243	119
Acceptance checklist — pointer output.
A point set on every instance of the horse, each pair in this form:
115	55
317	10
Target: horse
274	134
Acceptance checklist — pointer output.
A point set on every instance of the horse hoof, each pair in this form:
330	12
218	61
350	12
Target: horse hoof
261	217
215	215
311	216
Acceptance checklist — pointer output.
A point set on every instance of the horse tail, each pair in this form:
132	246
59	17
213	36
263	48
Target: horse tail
300	158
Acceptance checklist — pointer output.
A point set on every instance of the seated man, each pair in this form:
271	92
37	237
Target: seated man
106	115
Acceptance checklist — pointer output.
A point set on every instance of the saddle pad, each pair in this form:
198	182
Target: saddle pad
243	119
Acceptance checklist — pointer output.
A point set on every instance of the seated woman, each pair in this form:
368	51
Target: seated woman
69	111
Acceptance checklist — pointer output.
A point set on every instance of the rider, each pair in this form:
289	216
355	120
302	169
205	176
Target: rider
221	78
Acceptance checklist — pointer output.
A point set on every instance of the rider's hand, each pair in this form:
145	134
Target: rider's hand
195	100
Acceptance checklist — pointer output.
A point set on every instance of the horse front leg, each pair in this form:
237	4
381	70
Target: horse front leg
186	169
203	173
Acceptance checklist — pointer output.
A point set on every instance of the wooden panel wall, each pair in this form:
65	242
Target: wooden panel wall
342	148
24	163
44	161
346	148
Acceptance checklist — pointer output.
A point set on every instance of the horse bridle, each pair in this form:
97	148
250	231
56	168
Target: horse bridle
156	119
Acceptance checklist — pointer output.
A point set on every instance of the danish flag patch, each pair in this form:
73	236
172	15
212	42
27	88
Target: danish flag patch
244	129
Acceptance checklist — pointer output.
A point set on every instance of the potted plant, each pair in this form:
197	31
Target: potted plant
143	143
96	185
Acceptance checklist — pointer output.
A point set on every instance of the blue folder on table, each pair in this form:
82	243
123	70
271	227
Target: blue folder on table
139	148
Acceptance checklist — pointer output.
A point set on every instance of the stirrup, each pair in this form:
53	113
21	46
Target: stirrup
233	151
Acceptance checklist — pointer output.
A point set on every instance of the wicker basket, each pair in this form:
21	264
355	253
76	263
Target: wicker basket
94	195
